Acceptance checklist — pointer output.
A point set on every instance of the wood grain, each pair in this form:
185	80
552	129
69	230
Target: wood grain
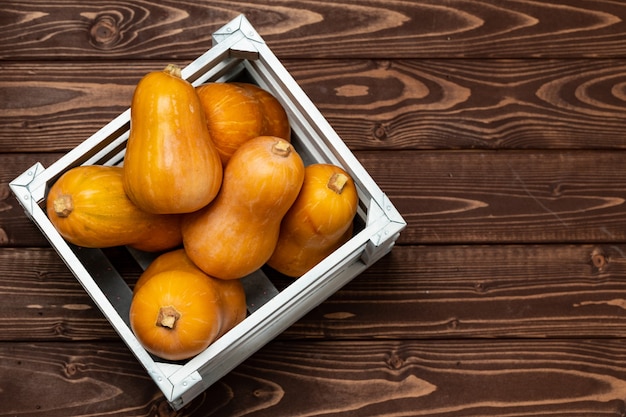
439	378
416	292
373	104
431	292
378	29
75	380
470	104
44	301
54	107
504	197
458	196
434	378
16	229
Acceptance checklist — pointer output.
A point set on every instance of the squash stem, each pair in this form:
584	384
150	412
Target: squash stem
173	70
281	148
63	205
337	182
168	317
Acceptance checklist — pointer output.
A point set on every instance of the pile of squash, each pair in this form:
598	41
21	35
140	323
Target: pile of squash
210	181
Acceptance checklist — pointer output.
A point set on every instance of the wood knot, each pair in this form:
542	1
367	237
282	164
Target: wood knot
599	260
105	32
70	369
556	189
395	362
384	64
454	324
4	237
380	132
480	287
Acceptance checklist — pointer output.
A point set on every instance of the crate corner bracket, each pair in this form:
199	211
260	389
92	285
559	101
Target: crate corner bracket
21	187
239	24
248	38
386	214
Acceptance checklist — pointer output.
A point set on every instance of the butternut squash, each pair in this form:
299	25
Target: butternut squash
236	234
175	315
171	165
319	221
88	207
237	112
232	297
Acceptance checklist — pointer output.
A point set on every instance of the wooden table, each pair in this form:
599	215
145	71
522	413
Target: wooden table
496	127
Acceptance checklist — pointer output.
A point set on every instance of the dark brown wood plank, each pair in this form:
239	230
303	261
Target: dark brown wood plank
75	379
57	106
16	229
457	196
405	104
467	292
437	378
504	197
44	301
429	378
485	28
470	104
418	292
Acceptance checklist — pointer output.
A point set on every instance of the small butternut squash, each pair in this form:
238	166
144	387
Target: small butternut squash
237	112
171	165
175	315
232	303
318	222
88	207
275	120
236	234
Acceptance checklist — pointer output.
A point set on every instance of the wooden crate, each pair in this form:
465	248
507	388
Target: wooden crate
238	53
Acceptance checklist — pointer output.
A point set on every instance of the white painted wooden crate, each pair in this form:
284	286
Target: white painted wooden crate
238	53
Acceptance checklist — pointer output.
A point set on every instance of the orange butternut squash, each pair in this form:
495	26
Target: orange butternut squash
232	297
175	315
236	234
88	207
319	221
171	165
237	112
